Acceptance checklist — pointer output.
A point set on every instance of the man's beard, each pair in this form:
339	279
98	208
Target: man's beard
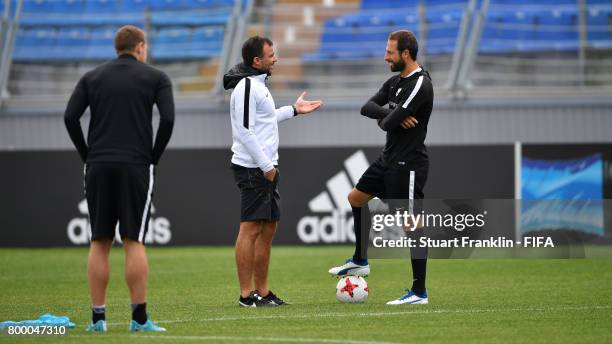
398	66
266	70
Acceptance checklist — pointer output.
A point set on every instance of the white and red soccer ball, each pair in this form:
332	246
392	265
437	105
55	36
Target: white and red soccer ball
352	289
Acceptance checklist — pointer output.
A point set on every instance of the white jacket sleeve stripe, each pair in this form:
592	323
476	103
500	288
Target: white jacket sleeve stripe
247	95
242	121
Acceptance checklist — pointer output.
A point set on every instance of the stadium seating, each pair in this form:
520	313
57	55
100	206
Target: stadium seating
361	36
599	30
177	43
512	26
191	18
33	41
77	30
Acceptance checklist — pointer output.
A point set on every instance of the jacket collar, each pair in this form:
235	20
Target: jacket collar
126	56
413	72
260	77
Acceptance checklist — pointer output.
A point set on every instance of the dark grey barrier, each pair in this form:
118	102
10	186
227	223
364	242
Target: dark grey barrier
195	200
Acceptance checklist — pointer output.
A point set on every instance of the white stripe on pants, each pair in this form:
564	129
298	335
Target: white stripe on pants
145	212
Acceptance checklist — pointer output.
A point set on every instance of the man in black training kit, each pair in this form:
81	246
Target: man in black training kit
119	159
401	170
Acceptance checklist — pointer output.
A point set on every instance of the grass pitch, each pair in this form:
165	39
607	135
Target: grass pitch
193	293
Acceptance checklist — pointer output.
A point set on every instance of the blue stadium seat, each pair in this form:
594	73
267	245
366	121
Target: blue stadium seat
35	44
493	35
368	31
508	31
169	18
549	30
101	44
512	26
376	4
101	6
207	3
131	6
443	29
84	29
559	29
372	30
387	4
165	5
337	30
185	43
171	43
531	3
72	44
599	30
69	6
207	42
37	6
31	19
449	4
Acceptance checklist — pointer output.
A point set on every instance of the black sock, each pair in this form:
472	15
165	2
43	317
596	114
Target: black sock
418	260
362	223
98	313
419	269
139	312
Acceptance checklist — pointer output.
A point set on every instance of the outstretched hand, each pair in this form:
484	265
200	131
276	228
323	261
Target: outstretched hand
306	106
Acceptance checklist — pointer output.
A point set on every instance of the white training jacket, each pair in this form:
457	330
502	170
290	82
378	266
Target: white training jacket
255	124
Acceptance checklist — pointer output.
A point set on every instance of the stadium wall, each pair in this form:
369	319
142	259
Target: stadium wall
196	201
338	124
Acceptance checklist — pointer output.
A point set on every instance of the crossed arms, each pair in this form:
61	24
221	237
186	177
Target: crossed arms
402	116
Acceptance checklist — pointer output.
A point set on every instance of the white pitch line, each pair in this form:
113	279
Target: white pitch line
379	314
247	339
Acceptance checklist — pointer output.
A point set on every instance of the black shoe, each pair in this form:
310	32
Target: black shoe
272	298
254	300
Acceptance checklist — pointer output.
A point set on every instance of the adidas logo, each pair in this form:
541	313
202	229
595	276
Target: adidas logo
79	228
337	224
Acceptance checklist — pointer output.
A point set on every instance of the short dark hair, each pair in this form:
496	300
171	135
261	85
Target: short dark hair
127	38
253	47
406	40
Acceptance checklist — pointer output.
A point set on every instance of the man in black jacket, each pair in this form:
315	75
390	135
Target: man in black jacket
119	160
400	172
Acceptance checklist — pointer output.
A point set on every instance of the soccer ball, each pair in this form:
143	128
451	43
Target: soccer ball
352	289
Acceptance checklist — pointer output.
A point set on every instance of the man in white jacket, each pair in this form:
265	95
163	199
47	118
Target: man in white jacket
255	120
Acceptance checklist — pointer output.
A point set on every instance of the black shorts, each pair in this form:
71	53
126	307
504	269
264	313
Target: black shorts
259	198
121	193
397	181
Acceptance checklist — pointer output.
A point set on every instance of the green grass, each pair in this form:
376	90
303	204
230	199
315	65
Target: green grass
193	293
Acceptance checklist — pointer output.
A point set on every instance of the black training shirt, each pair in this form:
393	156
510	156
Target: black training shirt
120	95
408	96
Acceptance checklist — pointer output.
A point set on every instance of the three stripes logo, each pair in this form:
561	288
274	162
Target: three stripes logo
335	222
79	228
